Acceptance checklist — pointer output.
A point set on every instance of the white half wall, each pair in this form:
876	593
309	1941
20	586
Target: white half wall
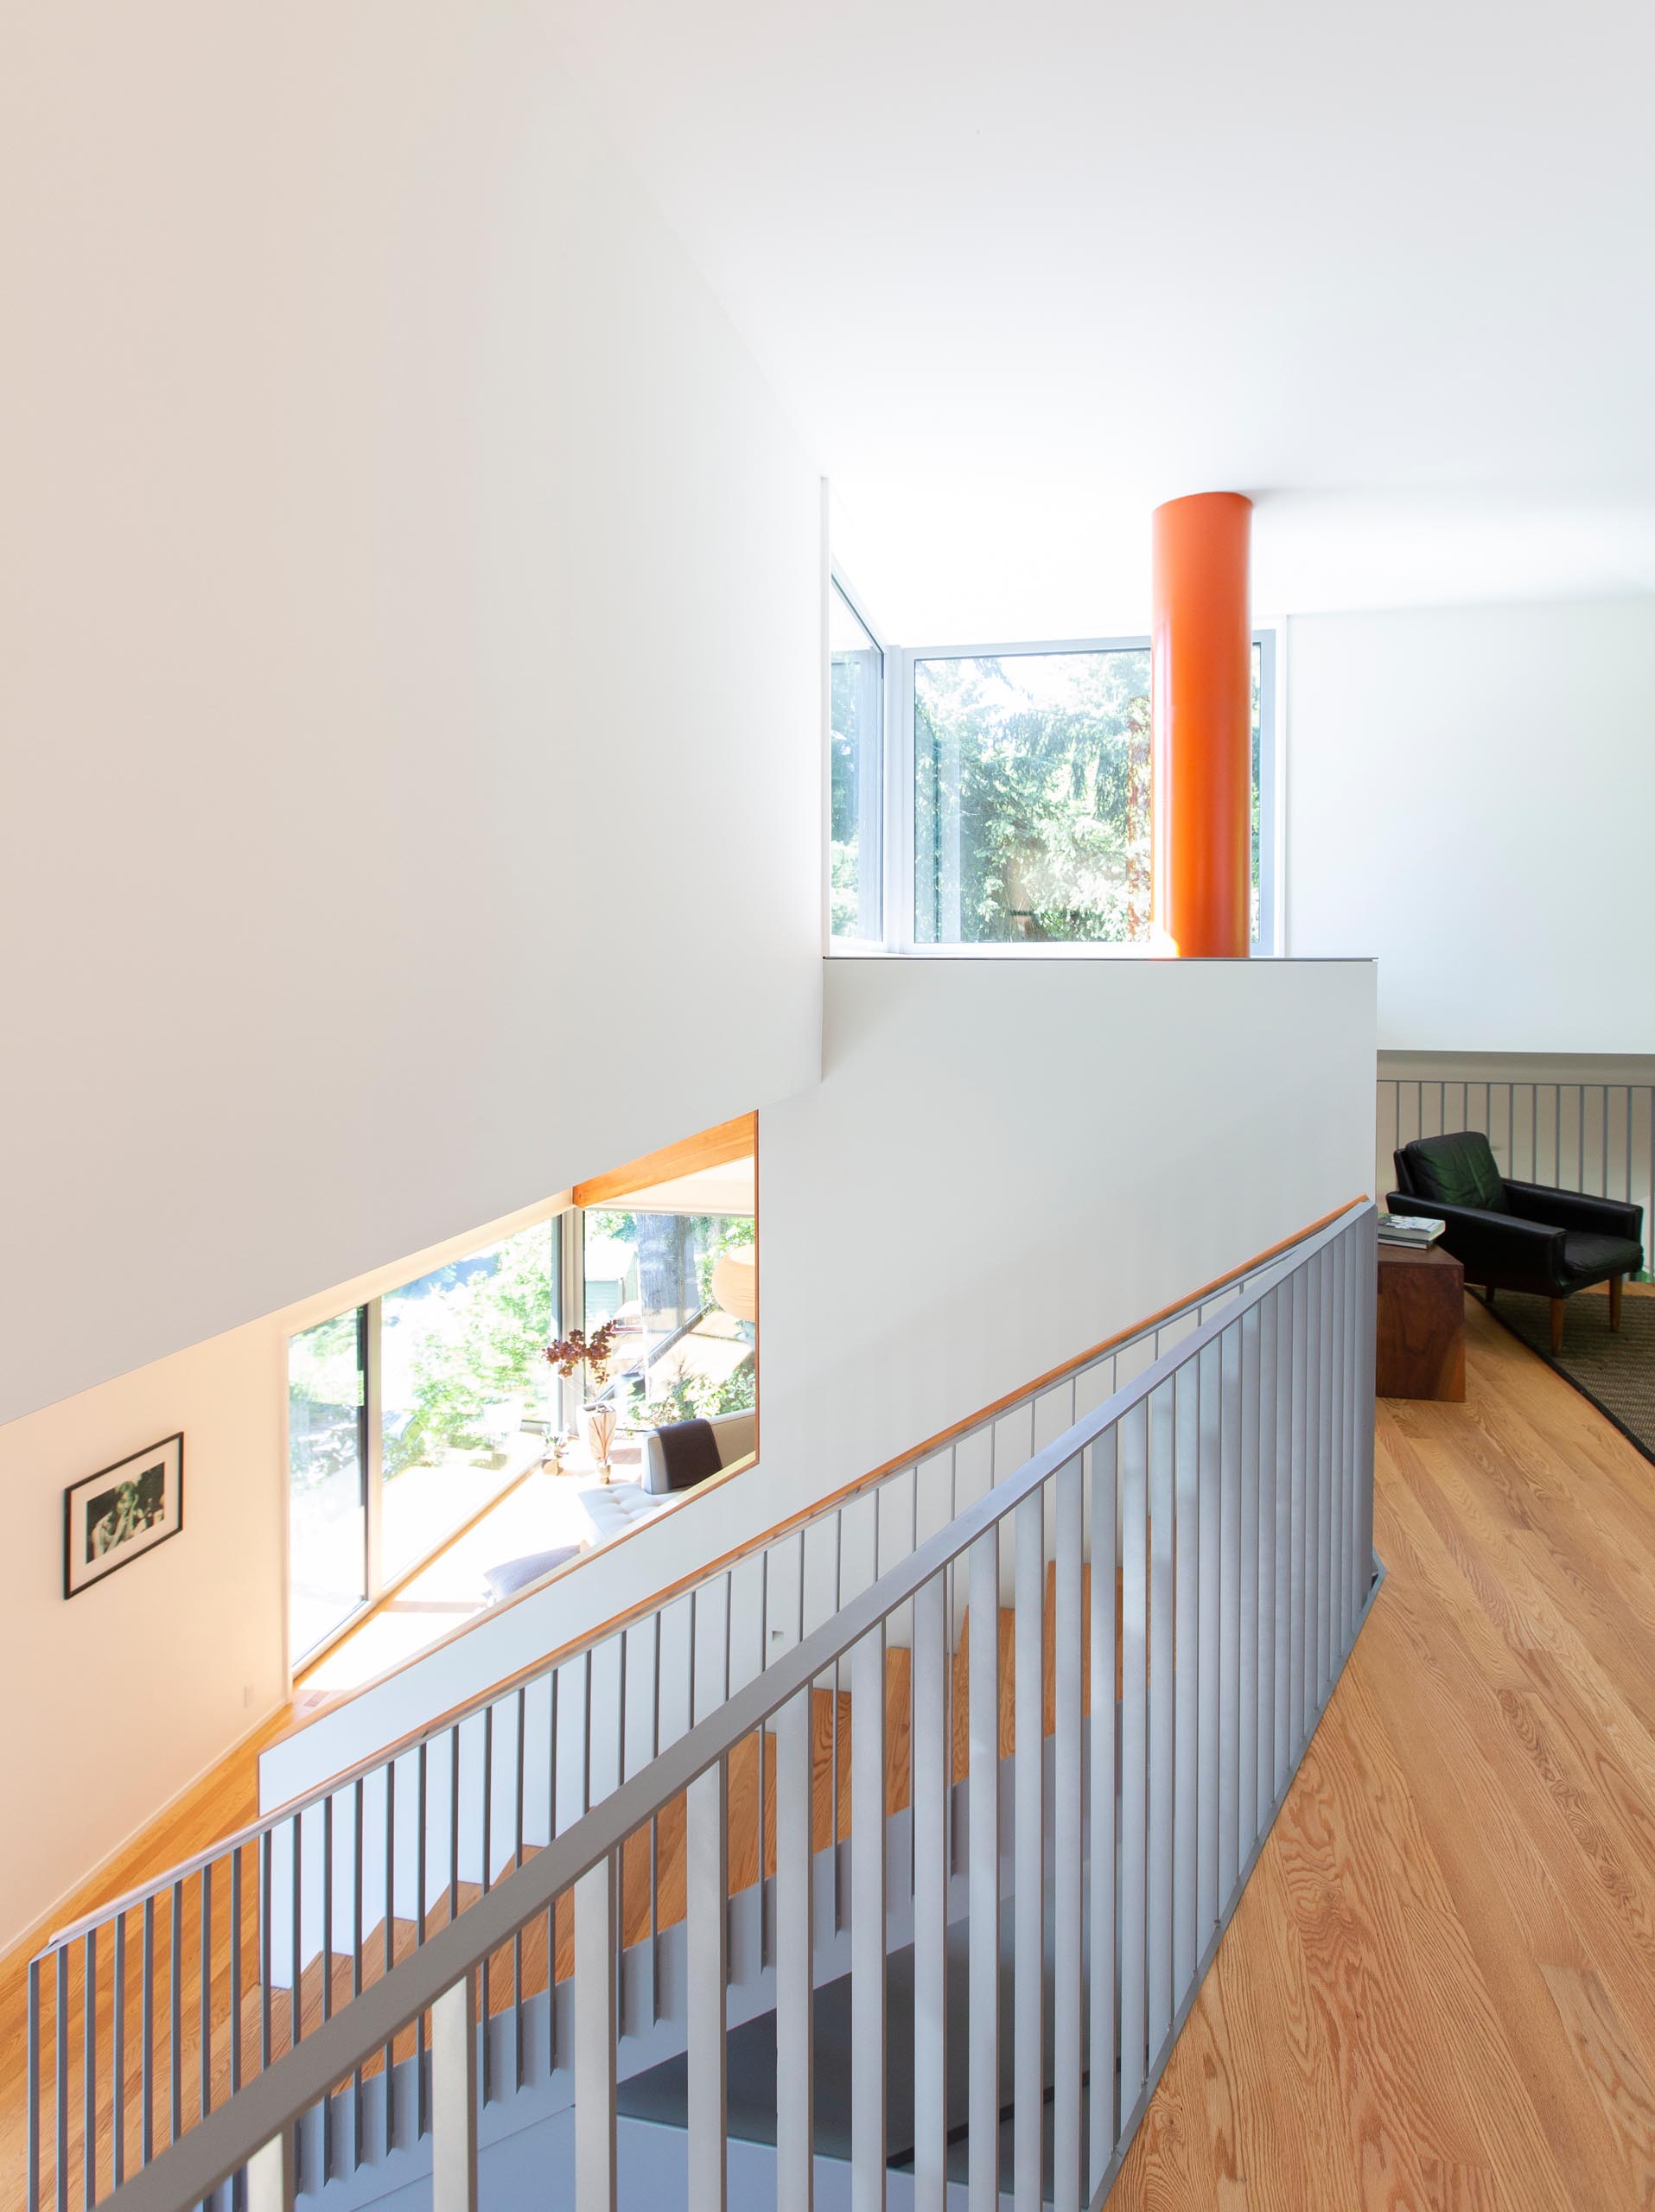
1005	1162
410	665
1471	797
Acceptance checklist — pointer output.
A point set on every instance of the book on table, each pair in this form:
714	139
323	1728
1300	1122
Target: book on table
1417	1229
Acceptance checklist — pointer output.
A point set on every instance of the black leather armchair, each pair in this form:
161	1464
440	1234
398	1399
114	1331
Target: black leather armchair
1518	1236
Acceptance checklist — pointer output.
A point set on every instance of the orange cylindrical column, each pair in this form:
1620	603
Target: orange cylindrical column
1201	689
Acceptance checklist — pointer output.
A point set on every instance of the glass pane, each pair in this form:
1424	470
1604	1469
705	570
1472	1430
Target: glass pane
857	721
326	1480
462	1370
680	1352
1032	798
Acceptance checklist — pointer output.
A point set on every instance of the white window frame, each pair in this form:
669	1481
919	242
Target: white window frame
873	792
369	1304
897	838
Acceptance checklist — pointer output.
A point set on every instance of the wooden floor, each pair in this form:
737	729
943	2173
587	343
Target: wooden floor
1439	1989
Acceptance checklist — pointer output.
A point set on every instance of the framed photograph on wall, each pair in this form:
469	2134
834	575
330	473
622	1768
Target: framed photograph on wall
121	1512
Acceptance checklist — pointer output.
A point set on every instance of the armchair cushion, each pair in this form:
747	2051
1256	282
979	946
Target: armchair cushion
1577	1210
1459	1170
689	1452
734	1434
1589	1258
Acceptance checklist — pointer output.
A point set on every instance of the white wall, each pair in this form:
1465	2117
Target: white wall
1471	797
408	665
1005	1162
122	1696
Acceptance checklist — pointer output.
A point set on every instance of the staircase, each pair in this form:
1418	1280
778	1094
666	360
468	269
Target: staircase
904	1911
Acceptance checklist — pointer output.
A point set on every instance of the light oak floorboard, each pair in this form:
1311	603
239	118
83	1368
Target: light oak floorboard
1439	1989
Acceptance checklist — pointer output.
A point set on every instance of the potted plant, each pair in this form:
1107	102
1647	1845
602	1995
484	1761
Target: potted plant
592	1356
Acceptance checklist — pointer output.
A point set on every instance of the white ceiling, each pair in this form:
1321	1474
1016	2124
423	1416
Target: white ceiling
1021	271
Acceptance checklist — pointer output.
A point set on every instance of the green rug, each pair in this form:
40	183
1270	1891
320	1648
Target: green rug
1615	1370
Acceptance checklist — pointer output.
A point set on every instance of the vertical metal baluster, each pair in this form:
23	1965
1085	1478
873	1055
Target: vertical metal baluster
764	1638
489	1861
89	2069
833	1782
146	2037
1339	1548
930	1763
868	2144
983	2114
175	2017
1162	1536
1069	1637
1354	1399
327	1971
1135	1756
552	1908
1313	1495
1298	1393
1603	1155
1211	1455
1229	1745
61	2108
272	2183
204	1958
266	1901
454	2099
1370	1301
1321	1319
1101	1862
1251	1674
295	2013
388	1954
594	2053
706	1905
652	1877
359	1939
117	2055
36	2086
235	1969
693	1709
614	1782
1317	1544
421	2103
1327	1261
1275	1331
1028	1845
454	1823
1192	1639
517	1862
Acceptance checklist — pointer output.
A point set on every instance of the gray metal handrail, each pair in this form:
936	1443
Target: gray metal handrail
1201	1439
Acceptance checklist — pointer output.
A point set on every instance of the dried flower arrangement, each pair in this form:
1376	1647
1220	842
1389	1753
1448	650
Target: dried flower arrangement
594	1353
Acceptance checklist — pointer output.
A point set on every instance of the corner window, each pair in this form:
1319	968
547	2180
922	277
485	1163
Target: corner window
856	716
407	1415
681	1288
1032	800
465	1391
1016	806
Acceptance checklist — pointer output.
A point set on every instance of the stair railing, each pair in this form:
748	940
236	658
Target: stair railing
334	1958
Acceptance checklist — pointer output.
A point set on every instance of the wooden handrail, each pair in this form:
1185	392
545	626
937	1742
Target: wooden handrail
543	1662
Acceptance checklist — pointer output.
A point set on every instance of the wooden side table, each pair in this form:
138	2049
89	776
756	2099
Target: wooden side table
1422	1323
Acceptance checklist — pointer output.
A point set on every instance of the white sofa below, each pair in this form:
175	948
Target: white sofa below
612	1507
